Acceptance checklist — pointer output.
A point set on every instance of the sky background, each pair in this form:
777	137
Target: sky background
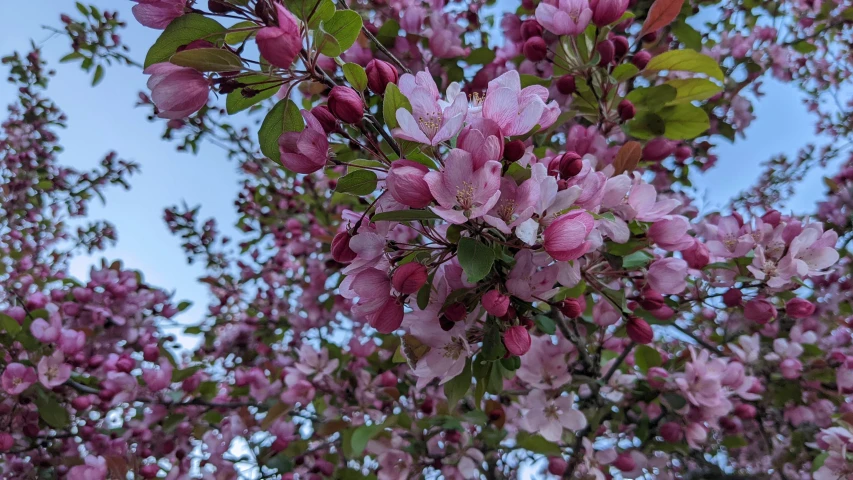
105	118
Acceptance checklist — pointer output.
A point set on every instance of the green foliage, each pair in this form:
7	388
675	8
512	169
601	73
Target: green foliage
183	30
475	258
284	117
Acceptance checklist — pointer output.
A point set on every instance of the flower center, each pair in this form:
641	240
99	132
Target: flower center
552	411
431	123
506	209
465	195
477	99
454	349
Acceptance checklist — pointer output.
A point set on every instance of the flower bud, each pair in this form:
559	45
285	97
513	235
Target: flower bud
671	432
759	310
572	307
517	340
656	376
605	12
799	308
557	466
6	442
151	352
149	471
639	330
566	85
607	50
745	411
621	46
651	299
658	149
406	183
682	153
570	165
81	403
495	302
698	256
389	317
530	28
733	297
325	117
345	104
379	74
535	49
791	368
388	379
341	251
641	59
514	150
626	110
280	44
625	462
409	278
773	217
455	312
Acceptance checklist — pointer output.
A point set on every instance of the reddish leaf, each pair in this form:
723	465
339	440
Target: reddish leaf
662	13
628	157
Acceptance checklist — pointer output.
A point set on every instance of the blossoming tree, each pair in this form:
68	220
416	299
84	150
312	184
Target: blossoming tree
469	247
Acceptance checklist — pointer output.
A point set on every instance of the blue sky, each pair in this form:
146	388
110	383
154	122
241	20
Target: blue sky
104	118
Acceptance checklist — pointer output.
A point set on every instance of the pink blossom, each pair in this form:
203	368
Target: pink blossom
671	233
306	151
158	378
462	192
17	377
47	332
517	110
566	237
122	385
729	239
53	371
812	251
445	37
515	206
528	281
564	17
667	275
549	416
405	182
483	139
158	13
95	468
280	44
495	302
546	365
644	206
431	121
71	341
178	92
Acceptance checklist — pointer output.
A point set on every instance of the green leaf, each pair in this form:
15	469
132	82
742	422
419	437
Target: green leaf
180	32
687	35
493	345
636	260
359	182
458	386
528	80
545	324
258	88
322	10
236	38
646	357
284	117
684	121
344	27
355	75
536	444
423	295
646	125
361	436
625	71
387	33
674	400
394	100
481	56
404	216
685	61
652	98
9	324
208	60
819	461
804	47
690	89
475	258
99	75
735	441
50	411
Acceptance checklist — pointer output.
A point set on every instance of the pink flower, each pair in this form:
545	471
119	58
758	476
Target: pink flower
495	303
47	332
565	237
527	279
667	275
431	121
732	241
406	183
158	378
564	17
517	110
17	378
671	233
697	255
445	37
517	340
516	204
123	386
53	371
389	317
799	308
279	45
759	310
409	278
605	12
306	151
812	251
71	341
462	192
158	13
178	92
644	206
549	416
482	138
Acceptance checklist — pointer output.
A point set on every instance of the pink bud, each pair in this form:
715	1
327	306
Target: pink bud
389	317
570	165
607	51
406	183
566	85
280	44
388	379
535	49
773	217
17	313
625	462
626	110
791	368
530	28
514	150
455	312
409	278
557	466
651	299
81	403
6	442
658	149
345	104
495	303
745	411
517	340
605	12
759	310
656	376
379	74
639	330
572	307
341	251
565	237
698	256
671	432
641	59
325	117
151	352
799	308
733	297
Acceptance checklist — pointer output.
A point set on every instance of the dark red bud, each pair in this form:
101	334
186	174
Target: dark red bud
639	330
379	74
535	49
345	104
607	51
570	165
566	85
626	110
409	278
514	150
325	117
571	307
620	44
530	28
340	248
641	59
